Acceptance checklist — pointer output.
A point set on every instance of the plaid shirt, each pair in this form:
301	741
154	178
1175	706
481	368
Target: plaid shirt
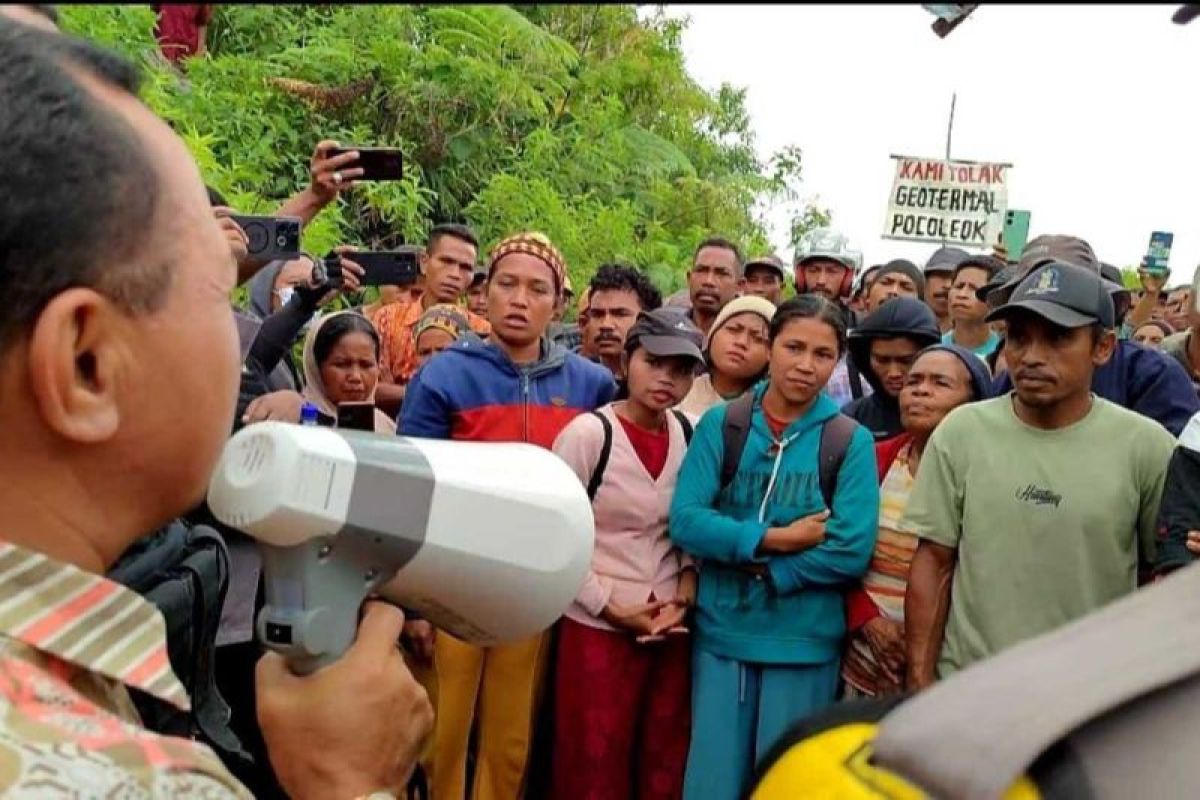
70	642
396	324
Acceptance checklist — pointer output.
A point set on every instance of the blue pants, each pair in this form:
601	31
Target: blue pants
739	710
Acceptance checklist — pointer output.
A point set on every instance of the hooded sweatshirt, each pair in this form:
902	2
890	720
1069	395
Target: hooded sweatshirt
900	316
261	287
1143	380
796	616
474	392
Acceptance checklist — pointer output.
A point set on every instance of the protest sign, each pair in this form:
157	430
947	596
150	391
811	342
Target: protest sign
957	202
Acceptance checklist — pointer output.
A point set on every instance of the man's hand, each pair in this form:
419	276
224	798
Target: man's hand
283	406
420	635
886	640
329	176
1193	542
352	275
1152	284
638	620
803	534
349	729
239	242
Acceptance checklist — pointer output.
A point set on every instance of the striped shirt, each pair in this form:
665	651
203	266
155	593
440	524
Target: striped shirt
886	580
70	642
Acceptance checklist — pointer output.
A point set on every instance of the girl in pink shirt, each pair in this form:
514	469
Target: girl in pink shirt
622	673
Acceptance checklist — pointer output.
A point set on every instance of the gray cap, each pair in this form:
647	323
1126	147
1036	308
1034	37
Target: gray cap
945	259
1042	250
666	333
826	243
1064	294
771	262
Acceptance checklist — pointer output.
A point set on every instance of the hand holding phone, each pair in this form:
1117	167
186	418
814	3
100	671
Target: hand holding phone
270	238
372	163
331	170
356	416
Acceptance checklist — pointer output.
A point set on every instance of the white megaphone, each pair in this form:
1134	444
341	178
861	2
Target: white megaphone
490	542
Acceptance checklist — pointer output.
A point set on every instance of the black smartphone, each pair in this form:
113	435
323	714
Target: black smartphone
271	238
388	268
377	163
380	268
356	416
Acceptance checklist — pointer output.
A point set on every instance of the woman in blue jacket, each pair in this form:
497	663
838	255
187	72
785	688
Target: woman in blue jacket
769	618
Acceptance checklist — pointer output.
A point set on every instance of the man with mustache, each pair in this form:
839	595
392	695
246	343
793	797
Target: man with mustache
886	344
939	274
617	294
1037	507
713	280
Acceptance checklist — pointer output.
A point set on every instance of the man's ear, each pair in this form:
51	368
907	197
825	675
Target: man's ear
423	261
1104	347
741	284
76	356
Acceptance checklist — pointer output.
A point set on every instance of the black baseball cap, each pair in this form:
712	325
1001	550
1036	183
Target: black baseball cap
665	334
1064	294
945	259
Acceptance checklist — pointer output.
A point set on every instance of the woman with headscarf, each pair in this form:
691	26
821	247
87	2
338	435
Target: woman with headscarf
341	365
942	377
736	352
439	327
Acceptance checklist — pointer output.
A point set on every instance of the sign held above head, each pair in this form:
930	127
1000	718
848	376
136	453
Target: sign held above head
947	201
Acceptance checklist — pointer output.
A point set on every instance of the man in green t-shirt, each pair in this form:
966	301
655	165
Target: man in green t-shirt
1035	508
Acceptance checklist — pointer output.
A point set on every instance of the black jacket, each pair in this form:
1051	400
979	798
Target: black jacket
1179	511
900	317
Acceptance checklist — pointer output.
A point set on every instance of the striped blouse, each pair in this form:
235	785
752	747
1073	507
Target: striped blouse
886	579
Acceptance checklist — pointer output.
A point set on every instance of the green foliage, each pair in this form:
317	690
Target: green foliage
580	121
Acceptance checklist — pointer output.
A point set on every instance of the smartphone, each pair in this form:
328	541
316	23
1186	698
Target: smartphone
1158	253
388	268
356	416
382	268
271	238
377	163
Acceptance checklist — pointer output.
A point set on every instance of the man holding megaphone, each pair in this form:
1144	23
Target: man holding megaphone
116	319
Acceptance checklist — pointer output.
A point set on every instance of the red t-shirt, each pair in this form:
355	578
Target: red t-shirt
178	28
651	446
777	426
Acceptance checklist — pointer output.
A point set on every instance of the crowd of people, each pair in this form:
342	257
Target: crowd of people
853	492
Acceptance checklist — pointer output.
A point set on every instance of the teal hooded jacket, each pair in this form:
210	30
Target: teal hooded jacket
798	615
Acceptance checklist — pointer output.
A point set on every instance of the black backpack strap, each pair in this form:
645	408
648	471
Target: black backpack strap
855	379
602	462
734	434
684	423
836	434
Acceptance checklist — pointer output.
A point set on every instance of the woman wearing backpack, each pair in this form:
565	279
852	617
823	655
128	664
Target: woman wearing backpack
769	616
622	671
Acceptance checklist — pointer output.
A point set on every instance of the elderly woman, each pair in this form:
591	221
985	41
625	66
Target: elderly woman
942	378
341	365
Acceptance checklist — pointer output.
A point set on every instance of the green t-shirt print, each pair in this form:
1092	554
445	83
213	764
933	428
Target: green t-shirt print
1048	525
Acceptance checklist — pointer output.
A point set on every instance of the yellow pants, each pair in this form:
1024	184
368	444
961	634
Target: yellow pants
427	677
502	684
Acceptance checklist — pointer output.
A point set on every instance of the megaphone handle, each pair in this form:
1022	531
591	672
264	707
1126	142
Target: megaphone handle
312	601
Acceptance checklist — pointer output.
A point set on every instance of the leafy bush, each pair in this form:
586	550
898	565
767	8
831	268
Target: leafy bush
580	121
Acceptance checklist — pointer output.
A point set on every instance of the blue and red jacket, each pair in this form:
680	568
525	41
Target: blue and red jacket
473	392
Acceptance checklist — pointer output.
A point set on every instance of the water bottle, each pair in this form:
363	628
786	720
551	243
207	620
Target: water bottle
308	414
